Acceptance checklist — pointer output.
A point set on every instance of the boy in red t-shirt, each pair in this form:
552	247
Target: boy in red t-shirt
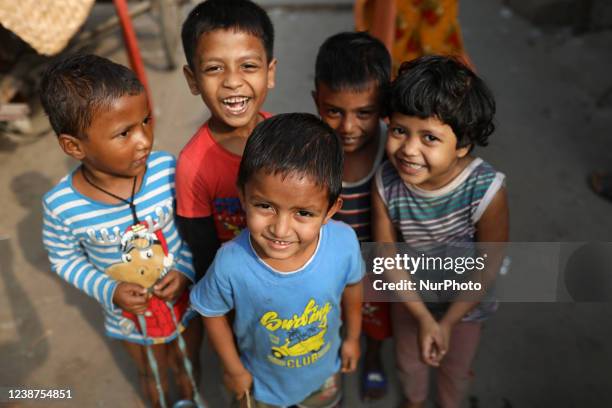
228	45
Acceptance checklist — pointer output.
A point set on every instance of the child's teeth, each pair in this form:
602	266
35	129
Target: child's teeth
236	104
235	99
412	165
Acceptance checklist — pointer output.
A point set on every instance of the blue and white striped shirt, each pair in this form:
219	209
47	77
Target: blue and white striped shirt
83	236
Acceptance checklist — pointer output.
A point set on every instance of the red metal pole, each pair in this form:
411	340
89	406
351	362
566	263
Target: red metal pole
129	38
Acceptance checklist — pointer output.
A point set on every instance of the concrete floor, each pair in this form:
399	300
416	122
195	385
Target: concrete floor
552	122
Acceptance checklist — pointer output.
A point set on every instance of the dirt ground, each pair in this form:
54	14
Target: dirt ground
554	112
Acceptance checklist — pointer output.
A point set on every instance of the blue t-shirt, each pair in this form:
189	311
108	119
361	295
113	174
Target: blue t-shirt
287	323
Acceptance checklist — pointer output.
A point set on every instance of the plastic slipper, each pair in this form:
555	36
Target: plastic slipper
601	183
184	404
373	381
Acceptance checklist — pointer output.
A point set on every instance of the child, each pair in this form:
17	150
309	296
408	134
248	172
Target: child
351	76
113	215
228	45
433	191
287	274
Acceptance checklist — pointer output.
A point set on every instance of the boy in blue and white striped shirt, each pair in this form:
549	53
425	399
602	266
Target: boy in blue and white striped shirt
114	214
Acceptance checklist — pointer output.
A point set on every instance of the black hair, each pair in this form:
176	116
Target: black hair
238	15
75	88
295	143
350	60
445	88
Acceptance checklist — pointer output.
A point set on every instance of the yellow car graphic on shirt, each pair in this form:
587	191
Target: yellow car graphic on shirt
309	345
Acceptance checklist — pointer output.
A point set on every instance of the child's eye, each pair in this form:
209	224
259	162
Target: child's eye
333	113
304	213
147	120
125	133
430	138
212	69
397	131
364	114
263	206
250	66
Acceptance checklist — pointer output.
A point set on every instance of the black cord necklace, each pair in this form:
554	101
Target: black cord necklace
130	202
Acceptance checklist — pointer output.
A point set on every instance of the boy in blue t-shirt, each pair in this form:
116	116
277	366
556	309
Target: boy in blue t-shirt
287	274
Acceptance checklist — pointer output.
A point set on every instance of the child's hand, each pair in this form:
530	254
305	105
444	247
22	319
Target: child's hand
131	297
446	329
171	286
432	342
238	383
350	355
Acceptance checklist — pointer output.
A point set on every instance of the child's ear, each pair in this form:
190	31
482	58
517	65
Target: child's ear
272	73
463	151
333	210
72	146
191	81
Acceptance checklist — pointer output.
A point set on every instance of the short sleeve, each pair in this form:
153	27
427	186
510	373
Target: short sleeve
356	268
192	195
213	295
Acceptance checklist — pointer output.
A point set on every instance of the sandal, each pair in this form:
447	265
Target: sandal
184	404
601	184
373	381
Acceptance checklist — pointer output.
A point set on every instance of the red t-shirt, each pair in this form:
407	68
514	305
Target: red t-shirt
206	177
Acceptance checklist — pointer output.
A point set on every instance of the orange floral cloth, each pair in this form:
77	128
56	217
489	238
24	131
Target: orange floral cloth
421	27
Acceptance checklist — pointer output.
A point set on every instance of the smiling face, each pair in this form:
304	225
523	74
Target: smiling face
284	216
119	139
424	151
233	75
353	114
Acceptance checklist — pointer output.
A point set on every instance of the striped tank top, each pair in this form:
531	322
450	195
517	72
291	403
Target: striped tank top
356	196
443	216
427	218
